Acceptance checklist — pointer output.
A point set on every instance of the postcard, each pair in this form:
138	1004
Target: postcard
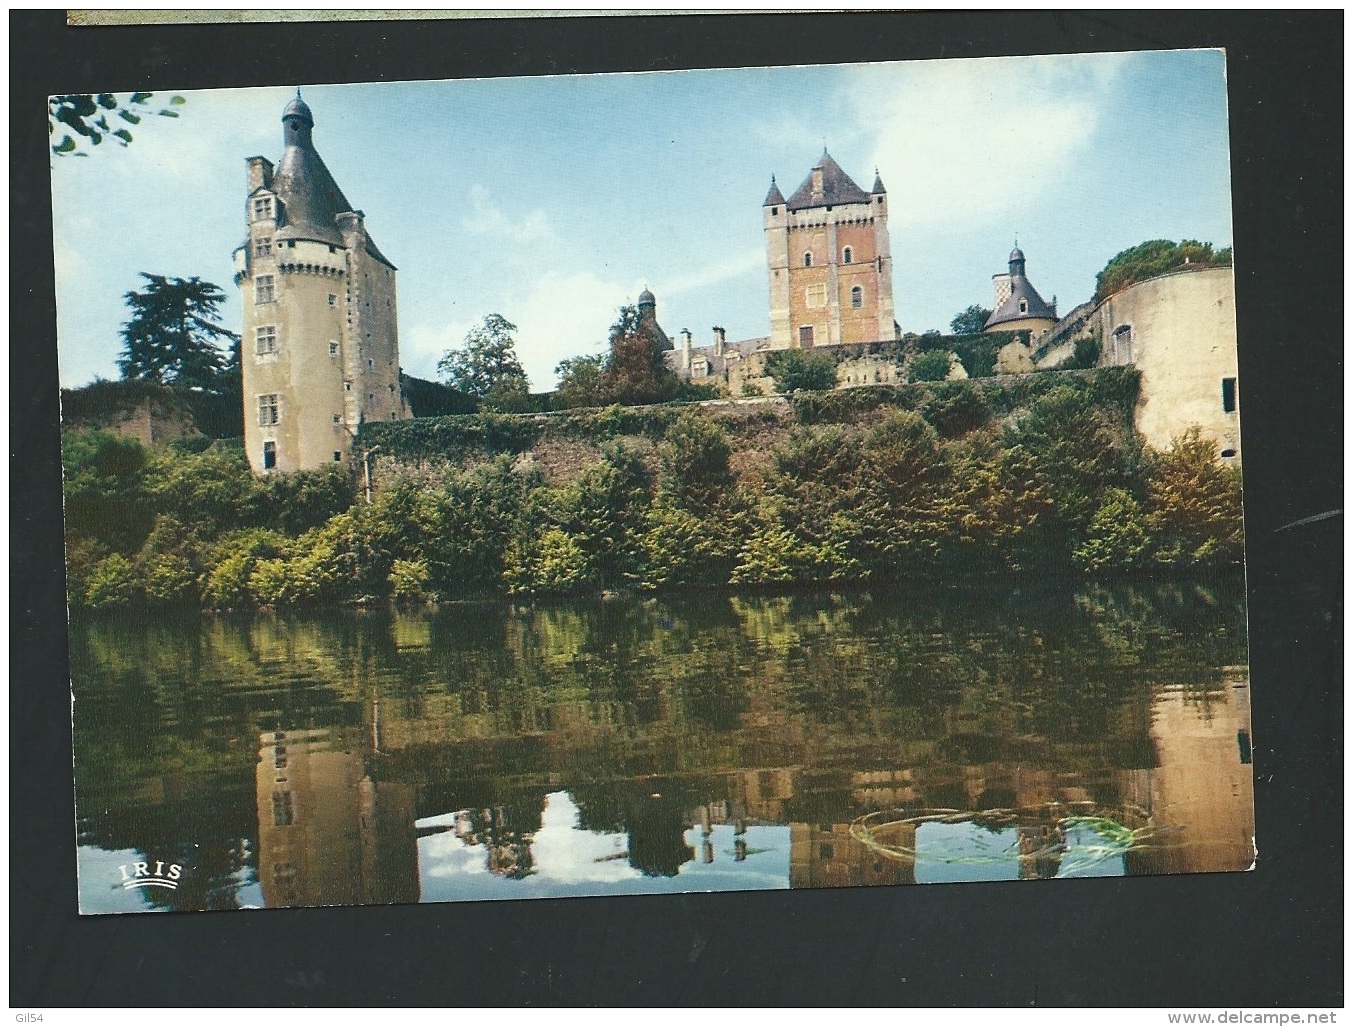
724	480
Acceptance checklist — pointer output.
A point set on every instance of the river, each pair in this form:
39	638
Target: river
634	745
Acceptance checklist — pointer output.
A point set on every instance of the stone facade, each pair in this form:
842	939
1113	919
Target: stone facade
320	341
1179	331
829	261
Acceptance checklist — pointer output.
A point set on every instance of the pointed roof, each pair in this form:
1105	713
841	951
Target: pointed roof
878	189
837	187
774	196
1020	289
311	199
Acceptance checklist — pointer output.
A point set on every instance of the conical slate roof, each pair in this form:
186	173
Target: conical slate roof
774	196
837	187
311	199
878	189
1020	289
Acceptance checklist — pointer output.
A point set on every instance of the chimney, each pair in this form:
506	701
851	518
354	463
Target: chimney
260	173
718	341
1001	284
686	349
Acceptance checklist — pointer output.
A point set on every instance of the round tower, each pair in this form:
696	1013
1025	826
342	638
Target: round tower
320	345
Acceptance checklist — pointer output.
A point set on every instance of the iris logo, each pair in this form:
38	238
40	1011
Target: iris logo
164	875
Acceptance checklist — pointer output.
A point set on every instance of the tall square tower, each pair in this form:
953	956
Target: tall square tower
828	260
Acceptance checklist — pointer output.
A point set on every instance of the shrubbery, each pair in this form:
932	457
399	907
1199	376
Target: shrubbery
888	483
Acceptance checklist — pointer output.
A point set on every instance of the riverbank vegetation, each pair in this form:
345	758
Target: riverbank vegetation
899	484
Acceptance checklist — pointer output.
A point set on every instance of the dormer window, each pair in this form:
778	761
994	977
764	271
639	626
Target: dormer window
262	208
1023	306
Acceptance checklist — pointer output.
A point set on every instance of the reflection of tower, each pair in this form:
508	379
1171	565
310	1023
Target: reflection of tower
328	834
506	832
657	842
827	856
1202	791
1040	851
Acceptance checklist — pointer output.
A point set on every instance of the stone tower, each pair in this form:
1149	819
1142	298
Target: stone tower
320	346
1018	305
828	259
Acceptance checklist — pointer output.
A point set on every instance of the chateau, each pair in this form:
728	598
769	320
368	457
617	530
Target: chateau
320	350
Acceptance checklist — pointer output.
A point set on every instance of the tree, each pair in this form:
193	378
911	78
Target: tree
635	370
970	321
87	114
580	381
929	366
795	370
172	335
488	364
1155	257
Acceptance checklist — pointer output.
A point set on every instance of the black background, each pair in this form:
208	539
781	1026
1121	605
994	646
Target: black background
1270	937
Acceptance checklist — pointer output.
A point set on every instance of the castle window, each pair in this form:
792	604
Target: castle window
371	364
338	457
1228	395
262	247
845	255
269	455
807	260
337	419
262	208
265	339
282	814
347	386
269	412
857	297
263	289
291	244
1023	305
1122	344
391	386
805	336
880	264
333	299
1228	453
333	349
816	295
774	211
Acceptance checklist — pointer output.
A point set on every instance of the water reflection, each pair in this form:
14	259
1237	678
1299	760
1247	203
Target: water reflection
641	746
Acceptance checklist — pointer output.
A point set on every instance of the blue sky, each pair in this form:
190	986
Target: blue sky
552	201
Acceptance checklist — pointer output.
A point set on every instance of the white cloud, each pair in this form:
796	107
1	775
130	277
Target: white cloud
424	344
565	315
712	274
565	853
960	142
529	228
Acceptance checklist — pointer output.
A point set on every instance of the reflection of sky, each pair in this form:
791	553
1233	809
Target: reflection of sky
569	860
948	853
101	888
